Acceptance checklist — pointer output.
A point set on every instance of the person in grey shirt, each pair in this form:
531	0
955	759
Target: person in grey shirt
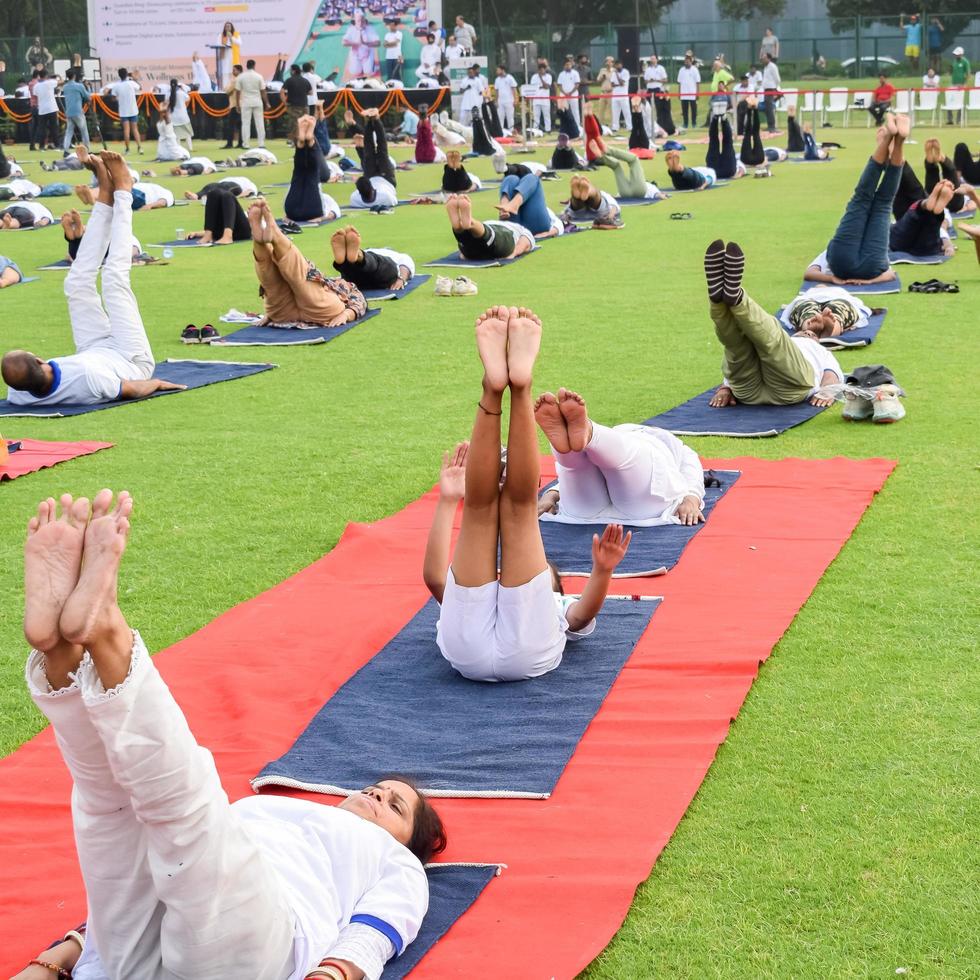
77	101
465	34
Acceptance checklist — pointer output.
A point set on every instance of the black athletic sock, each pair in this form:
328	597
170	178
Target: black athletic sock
714	270
734	269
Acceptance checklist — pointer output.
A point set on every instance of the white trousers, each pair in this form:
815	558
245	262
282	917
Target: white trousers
575	106
620	107
250	114
542	114
616	470
175	885
505	110
118	327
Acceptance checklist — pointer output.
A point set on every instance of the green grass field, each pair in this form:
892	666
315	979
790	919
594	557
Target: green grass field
836	834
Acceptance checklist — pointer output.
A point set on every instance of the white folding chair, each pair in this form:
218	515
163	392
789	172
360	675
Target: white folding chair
812	102
953	102
861	102
836	103
972	103
928	102
903	103
790	98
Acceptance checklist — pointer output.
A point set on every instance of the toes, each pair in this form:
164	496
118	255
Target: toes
77	512
32	526
101	504
46	511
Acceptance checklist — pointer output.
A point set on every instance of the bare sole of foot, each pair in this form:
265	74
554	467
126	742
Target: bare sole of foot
491	343
551	422
576	416
338	244
94	597
118	170
903	126
465	207
523	344
52	561
353	239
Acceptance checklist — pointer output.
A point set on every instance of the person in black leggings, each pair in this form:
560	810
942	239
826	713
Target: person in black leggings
938	169
794	142
303	200
965	164
753	153
665	119
721	153
368	268
455	179
491	118
482	143
224	220
372	148
639	140
917	231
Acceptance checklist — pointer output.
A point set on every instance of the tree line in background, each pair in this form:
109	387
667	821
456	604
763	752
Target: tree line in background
62	18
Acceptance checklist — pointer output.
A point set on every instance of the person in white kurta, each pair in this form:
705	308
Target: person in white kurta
505	85
471	88
628	474
620	79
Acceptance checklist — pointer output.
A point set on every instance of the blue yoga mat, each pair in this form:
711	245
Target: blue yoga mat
876	289
453	888
860	337
193	243
26	279
804	160
289	336
194	374
698	190
966	213
696	417
653	550
459	737
637	202
60	264
409	287
454	260
906	258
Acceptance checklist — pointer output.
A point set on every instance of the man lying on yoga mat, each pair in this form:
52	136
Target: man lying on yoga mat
522	200
801	140
294	291
74	229
179	882
376	186
858	252
588	203
688	178
304	199
146	196
455	178
627	474
369	268
194	167
762	365
825	311
919	231
25	214
479	240
514	626
239	187
112	356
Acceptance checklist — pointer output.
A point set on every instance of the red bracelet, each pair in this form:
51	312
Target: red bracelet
62	973
337	965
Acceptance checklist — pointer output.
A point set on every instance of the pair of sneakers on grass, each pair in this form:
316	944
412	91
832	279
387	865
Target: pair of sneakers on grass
460	286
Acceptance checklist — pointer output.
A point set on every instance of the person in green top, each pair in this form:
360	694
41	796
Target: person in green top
959	76
720	74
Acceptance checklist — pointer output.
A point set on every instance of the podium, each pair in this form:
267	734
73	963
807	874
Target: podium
219	77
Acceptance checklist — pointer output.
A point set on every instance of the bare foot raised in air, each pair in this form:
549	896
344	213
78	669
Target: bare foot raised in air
491	342
91	608
464	207
352	238
86	194
338	245
523	344
260	233
932	151
52	560
576	416
550	421
903	126
122	179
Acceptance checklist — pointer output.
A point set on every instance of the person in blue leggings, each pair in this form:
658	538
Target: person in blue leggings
522	200
858	252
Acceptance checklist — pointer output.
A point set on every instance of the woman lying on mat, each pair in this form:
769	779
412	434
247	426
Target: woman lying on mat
479	240
224	219
920	230
762	364
304	199
294	291
239	186
588	203
514	626
825	311
10	273
522	200
194	167
858	252
628	474
369	268
179	882
688	178
455	178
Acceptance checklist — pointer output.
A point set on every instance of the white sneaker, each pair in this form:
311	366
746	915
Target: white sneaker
887	407
856	408
499	161
444	286
463	286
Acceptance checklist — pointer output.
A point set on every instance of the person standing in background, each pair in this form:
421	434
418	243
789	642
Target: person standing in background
620	101
179	116
471	88
688	80
936	37
465	34
231	55
47	111
568	86
769	46
913	39
392	43
31	86
200	76
771	85
233	121
253	100
125	90
541	105
505	85
296	89
958	76
38	56
77	101
603	111
315	81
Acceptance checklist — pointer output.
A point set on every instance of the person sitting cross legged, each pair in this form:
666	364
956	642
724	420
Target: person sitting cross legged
112	358
511	626
479	240
588	203
629	474
918	231
369	268
304	199
294	291
455	178
858	252
688	178
179	881
762	364
376	186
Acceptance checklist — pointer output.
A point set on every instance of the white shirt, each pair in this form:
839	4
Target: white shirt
399	258
770	77
688	80
250	84
335	867
820	360
755	80
38	210
154	193
261	153
178	115
93	376
472	90
167	146
125	91
822	264
247	187
543	82
620	81
329	205
22	92
568	81
208	165
315	81
505	85
394	52
455	51
44	90
824	294
932	82
20	187
518	231
430	56
655	77
385	195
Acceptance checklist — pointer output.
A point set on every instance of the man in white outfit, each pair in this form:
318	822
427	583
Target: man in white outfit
505	85
253	100
568	83
112	358
471	89
620	79
540	87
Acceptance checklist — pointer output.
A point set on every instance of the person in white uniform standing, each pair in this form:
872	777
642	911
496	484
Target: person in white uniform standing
471	88
180	882
112	358
540	88
505	85
511	626
620	79
634	474
568	83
